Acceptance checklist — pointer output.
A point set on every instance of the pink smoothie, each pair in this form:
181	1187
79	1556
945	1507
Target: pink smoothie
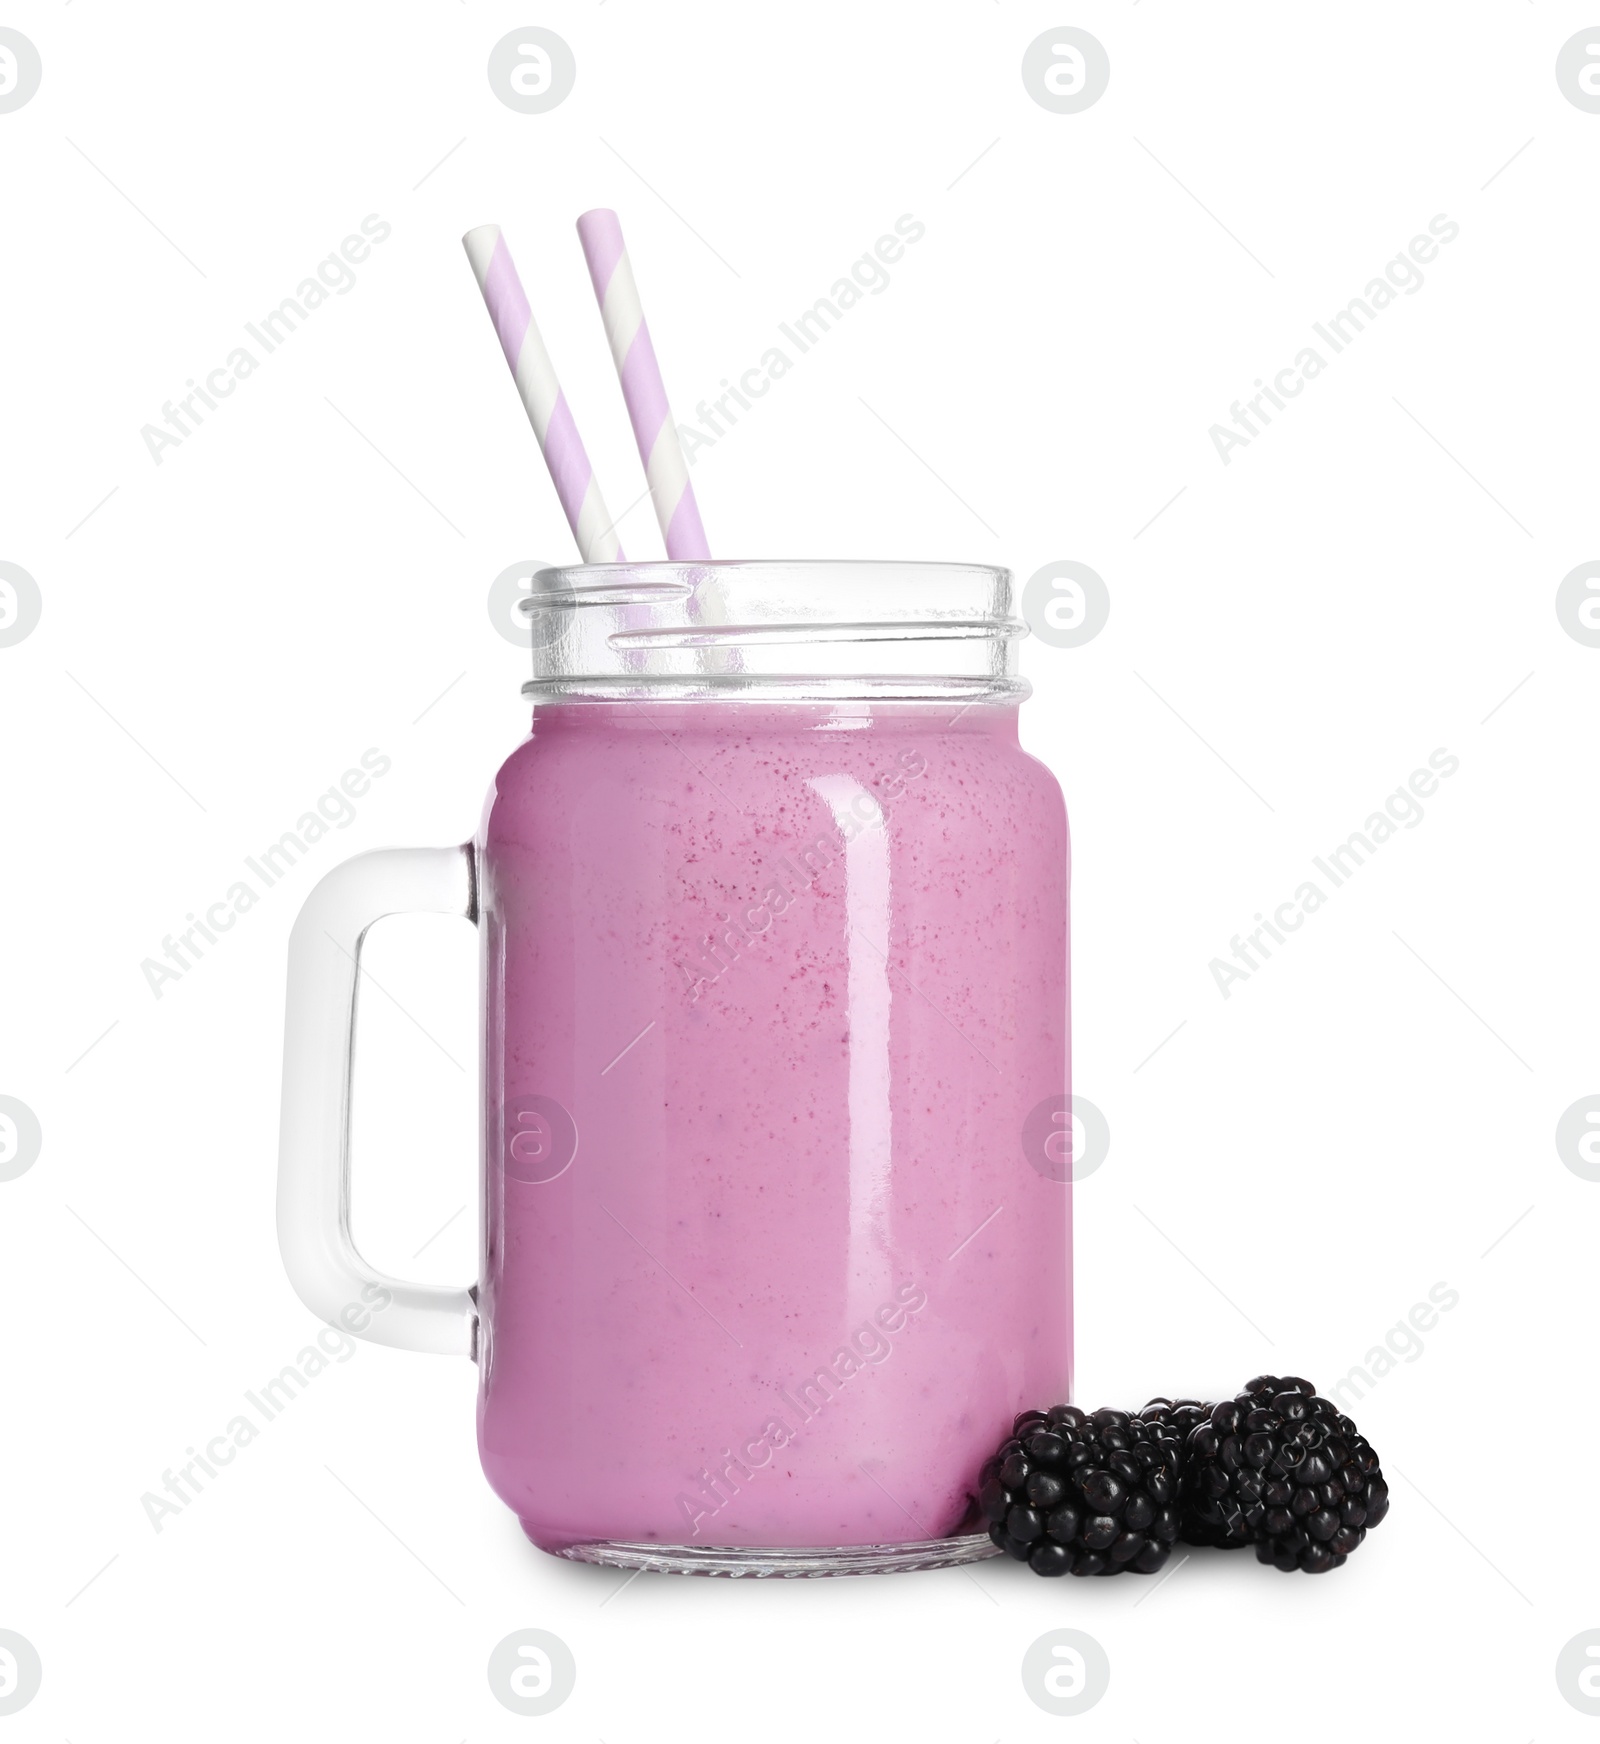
771	991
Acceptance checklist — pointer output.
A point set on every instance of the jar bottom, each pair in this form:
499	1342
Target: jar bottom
787	1562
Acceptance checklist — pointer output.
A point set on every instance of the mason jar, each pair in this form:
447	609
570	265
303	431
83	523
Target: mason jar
775	1108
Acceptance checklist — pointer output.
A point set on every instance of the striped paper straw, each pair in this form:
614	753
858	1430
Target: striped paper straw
642	387
541	393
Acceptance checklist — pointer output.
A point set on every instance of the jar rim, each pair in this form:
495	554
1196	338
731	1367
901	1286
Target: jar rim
770	628
680	575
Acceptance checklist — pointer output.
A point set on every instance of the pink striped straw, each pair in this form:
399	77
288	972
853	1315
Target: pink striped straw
541	393
642	388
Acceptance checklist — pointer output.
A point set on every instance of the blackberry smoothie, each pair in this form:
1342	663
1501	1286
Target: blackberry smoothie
771	991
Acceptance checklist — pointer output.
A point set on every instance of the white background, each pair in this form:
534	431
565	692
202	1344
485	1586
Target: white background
306	576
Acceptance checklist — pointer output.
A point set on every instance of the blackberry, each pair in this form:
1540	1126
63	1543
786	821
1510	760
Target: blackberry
1183	1416
1084	1493
1283	1469
1177	1415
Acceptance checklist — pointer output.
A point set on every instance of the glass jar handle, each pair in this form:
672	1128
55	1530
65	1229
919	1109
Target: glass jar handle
330	1277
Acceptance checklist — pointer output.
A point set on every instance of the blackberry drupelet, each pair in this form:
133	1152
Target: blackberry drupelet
1084	1493
1285	1470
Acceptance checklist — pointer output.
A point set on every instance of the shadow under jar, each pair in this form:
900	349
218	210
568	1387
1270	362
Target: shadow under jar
776	1223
